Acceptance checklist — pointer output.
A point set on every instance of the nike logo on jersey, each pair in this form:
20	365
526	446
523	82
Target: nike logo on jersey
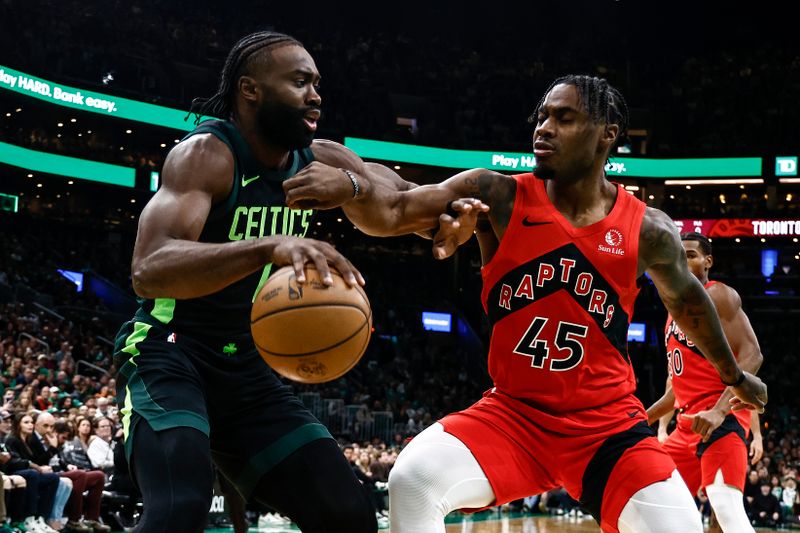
245	181
529	223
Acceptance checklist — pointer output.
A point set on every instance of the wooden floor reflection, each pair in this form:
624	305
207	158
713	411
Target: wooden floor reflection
529	524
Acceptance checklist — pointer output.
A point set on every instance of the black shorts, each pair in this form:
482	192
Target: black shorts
220	387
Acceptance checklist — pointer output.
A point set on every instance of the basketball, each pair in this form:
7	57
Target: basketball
310	333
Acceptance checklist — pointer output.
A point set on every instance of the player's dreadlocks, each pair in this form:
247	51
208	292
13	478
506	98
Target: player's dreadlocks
236	64
600	100
702	241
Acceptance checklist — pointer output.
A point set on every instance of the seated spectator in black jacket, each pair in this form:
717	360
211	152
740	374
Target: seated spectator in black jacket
45	444
42	482
765	507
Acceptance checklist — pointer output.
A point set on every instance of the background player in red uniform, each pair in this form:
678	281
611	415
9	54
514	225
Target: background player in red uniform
560	270
709	444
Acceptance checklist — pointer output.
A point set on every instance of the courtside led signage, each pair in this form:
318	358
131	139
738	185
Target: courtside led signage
71	167
514	162
9	202
786	166
741	227
113	106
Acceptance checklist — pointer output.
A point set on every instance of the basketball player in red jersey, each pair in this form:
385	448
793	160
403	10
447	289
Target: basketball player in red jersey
560	267
709	445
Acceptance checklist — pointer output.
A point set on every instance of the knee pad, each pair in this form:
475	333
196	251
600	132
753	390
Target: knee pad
663	507
728	505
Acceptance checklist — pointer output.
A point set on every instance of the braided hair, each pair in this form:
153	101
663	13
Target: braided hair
238	63
603	103
702	241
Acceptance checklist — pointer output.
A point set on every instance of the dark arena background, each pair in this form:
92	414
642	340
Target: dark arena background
94	95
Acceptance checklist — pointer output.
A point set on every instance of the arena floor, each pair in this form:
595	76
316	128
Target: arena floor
490	523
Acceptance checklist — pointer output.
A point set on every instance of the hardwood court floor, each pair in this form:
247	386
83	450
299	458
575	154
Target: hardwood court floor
488	523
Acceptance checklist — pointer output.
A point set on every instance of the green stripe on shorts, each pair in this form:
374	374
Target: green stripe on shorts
265	460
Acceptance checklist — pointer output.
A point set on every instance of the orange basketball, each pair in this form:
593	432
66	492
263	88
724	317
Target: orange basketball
310	333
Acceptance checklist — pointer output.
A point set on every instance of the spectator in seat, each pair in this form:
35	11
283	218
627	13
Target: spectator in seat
766	509
56	434
101	448
42	483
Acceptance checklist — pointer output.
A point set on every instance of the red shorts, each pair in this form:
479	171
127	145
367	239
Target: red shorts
726	451
601	456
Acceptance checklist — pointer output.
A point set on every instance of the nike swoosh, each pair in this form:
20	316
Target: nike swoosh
526	222
246	181
633	414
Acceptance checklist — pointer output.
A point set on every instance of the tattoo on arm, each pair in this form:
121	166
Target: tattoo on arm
684	296
499	191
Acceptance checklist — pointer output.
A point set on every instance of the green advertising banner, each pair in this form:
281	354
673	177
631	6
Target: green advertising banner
520	162
113	106
71	167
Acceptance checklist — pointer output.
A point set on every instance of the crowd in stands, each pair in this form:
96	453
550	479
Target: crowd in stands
695	97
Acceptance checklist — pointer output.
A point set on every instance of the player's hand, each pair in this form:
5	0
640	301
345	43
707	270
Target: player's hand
297	251
318	186
756	449
455	231
705	422
751	394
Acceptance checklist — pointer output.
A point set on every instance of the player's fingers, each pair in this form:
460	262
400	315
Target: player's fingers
464	205
446	222
298	263
349	273
298	180
346	269
299	194
321	262
444	249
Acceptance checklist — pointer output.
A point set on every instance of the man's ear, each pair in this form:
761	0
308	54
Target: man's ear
610	134
248	88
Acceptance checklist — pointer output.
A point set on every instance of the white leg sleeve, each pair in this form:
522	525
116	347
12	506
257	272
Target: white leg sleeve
728	504
435	474
663	507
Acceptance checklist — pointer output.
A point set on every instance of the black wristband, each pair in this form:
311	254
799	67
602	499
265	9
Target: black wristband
449	209
736	383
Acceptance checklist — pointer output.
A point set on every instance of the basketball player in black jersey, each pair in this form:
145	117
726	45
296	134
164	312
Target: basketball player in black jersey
191	382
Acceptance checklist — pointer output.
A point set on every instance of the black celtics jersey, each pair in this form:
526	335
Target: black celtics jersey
255	207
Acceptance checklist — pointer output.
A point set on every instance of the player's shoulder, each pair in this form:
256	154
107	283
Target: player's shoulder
201	146
200	161
724	296
659	239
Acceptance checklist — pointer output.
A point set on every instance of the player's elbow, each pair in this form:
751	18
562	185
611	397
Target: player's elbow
757	358
143	281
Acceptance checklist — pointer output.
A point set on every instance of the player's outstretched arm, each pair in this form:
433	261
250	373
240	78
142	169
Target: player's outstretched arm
663	257
384	204
743	342
168	262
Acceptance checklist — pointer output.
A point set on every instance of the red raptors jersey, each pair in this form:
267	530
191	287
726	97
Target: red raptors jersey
695	381
560	300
